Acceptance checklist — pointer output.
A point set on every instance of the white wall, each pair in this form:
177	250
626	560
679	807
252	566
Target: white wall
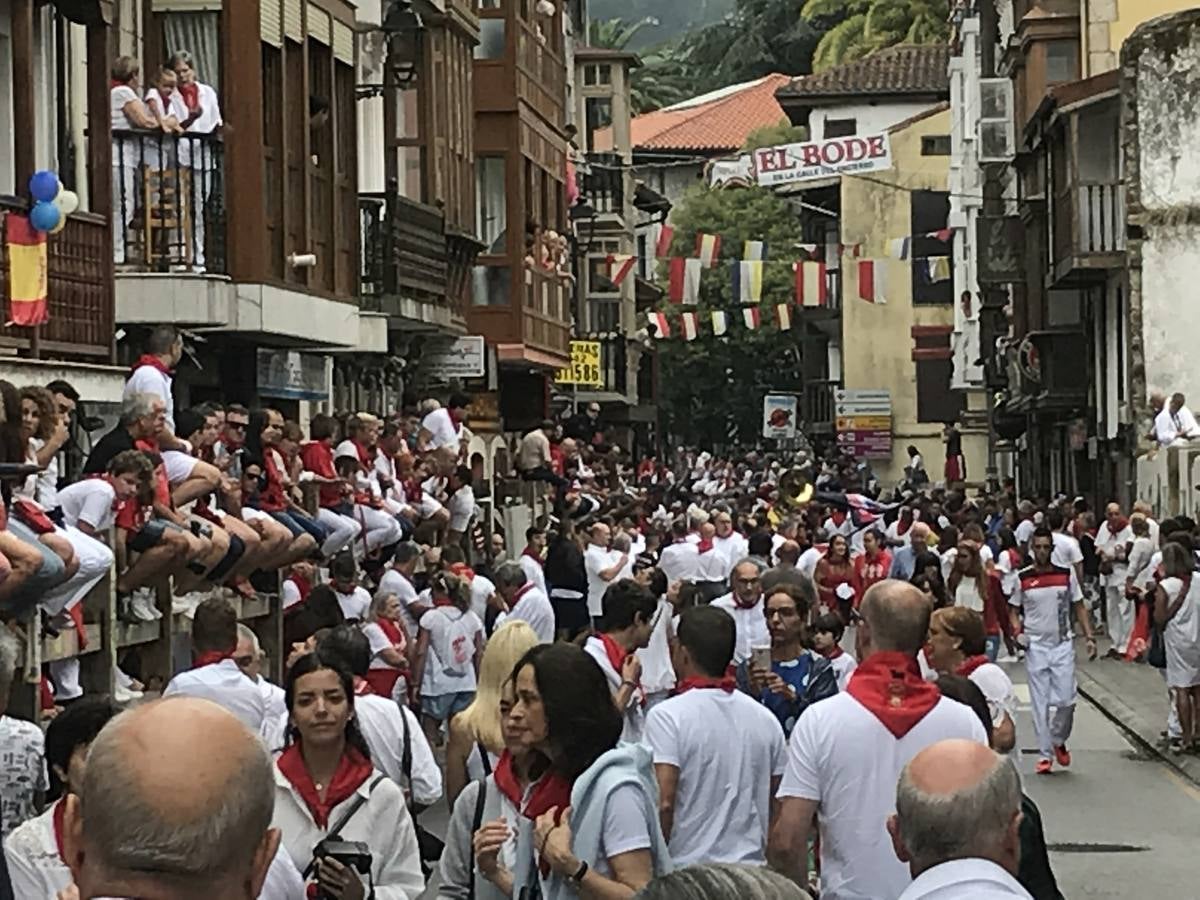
871	118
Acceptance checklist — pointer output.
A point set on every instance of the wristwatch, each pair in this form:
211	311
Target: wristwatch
577	878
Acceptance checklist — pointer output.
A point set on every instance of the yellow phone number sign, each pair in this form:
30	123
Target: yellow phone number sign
584	370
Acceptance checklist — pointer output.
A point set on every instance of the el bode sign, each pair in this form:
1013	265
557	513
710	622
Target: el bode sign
820	159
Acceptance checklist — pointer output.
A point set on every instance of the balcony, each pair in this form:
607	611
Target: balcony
541	72
817	405
1089	232
603	185
523	313
405	261
80	290
168	203
545	325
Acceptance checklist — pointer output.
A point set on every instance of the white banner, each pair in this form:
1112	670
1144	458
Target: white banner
821	159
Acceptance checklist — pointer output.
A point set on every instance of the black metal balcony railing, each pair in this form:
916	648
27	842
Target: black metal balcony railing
818	404
169	202
604	185
404	252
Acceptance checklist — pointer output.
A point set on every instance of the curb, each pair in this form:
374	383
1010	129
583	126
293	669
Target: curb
1130	721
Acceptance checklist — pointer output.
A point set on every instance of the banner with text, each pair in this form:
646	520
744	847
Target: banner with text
820	159
584	370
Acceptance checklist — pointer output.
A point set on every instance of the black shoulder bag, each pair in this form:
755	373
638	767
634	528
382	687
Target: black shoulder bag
476	824
335	833
429	845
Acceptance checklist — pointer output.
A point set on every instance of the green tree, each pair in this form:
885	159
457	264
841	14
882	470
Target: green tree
711	389
853	29
775	135
664	77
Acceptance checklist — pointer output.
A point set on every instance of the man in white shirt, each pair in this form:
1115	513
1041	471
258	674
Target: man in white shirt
397	580
1175	422
460	505
957	822
718	755
533	557
729	543
442	431
629	617
745	604
602	564
353	599
1114	538
846	753
215	674
519	598
1067	552
680	561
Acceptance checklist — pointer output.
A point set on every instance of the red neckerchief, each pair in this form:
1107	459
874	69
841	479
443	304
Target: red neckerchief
302	585
838	517
970	664
1122	524
190	93
532	554
704	545
165	98
45	695
152	361
352	770
833	652
521	592
902	527
361	687
210	658
456	418
364	456
616	657
550	791
462	570
60	809
699	682
442	601
737	601
890	686
393	632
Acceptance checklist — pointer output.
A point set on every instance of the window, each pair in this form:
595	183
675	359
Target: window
598	280
599	114
410	152
491	212
605	73
835	128
1062	61
491	39
932	280
603	316
936	402
935	145
491	285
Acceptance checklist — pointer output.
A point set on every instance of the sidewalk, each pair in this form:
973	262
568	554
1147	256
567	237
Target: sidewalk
1134	696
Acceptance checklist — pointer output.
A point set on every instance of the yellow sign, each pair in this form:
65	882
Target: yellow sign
864	423
584	370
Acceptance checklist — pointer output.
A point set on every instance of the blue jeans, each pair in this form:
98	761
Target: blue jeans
298	525
992	647
49	574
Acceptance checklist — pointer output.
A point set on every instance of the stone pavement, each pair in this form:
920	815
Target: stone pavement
1134	697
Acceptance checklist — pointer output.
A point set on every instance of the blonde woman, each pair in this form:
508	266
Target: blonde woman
476	739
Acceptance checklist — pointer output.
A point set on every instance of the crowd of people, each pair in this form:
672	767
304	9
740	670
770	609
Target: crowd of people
703	676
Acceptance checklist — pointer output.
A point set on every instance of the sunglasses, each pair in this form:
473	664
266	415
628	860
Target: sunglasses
237	426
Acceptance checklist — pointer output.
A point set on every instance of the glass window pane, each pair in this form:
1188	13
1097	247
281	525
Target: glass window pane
409	163
491	39
490	197
491	285
408	116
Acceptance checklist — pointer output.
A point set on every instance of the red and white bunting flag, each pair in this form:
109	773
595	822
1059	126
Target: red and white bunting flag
666	234
689	325
783	316
719	322
675	269
871	280
854	250
811	289
708	249
659	324
619	267
751	317
692	268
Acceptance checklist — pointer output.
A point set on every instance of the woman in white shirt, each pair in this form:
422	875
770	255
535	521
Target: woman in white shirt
476	739
128	113
327	788
449	647
203	118
389	646
1176	612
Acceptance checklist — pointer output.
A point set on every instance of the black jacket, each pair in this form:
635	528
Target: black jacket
564	566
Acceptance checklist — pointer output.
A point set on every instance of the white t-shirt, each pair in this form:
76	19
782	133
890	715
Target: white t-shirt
841	756
635	713
393	582
89	500
381	724
727	749
227	685
711	566
533	571
47	480
997	689
752	630
658	674
441	428
534	609
597	559
209	119
379	642
680	562
808	560
149	380
975	878
22	748
1047	599
1112	545
119	96
355	605
290	593
733	548
1024	532
449	666
482	590
461	507
1066	551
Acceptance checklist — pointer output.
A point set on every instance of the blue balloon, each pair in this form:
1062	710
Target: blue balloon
44	186
44	216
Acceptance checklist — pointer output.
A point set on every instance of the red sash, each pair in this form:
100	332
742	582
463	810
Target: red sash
890	686
352	770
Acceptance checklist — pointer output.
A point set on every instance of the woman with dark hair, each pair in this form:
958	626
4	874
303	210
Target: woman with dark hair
262	434
929	564
35	863
971	586
611	844
327	788
834	576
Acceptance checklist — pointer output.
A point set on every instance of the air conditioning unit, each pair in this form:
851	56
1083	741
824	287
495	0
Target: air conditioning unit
997	137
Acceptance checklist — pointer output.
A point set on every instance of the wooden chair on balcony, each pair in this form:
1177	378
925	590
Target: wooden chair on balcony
168	227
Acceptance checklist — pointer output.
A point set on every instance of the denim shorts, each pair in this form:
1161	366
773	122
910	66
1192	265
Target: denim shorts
445	706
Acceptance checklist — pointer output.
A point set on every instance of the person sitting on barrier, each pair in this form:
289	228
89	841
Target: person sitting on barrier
382	530
297	547
271	496
335	511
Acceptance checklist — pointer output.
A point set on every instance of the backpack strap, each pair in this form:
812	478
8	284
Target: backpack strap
485	758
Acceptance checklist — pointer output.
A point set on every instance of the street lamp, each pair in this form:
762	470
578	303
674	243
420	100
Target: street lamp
404	29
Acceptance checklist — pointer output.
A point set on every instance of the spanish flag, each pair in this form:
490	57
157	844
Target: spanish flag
27	272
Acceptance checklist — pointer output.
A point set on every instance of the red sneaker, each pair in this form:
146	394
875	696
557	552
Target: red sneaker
1044	767
1062	755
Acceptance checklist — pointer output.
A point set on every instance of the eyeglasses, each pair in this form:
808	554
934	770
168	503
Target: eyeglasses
237	426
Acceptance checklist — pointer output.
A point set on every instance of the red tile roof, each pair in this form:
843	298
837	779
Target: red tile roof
717	122
903	69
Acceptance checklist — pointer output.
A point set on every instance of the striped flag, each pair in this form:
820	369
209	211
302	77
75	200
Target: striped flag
754	250
675	271
720	324
854	250
899	248
747	281
666	234
871	281
659	324
28	277
708	248
811	287
688	323
691	281
752	317
619	267
783	316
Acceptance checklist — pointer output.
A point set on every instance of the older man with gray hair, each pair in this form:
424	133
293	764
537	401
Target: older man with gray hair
745	603
958	811
189	819
519	598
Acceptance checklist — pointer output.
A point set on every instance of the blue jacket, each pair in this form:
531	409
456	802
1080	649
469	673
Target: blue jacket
624	764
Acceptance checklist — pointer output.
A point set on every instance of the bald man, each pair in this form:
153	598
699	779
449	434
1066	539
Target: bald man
176	804
845	753
956	825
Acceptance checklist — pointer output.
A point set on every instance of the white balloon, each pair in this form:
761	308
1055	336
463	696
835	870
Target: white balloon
62	223
67	202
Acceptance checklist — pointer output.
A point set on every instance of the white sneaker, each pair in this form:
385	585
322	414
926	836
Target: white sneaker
139	605
124	695
149	598
186	605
